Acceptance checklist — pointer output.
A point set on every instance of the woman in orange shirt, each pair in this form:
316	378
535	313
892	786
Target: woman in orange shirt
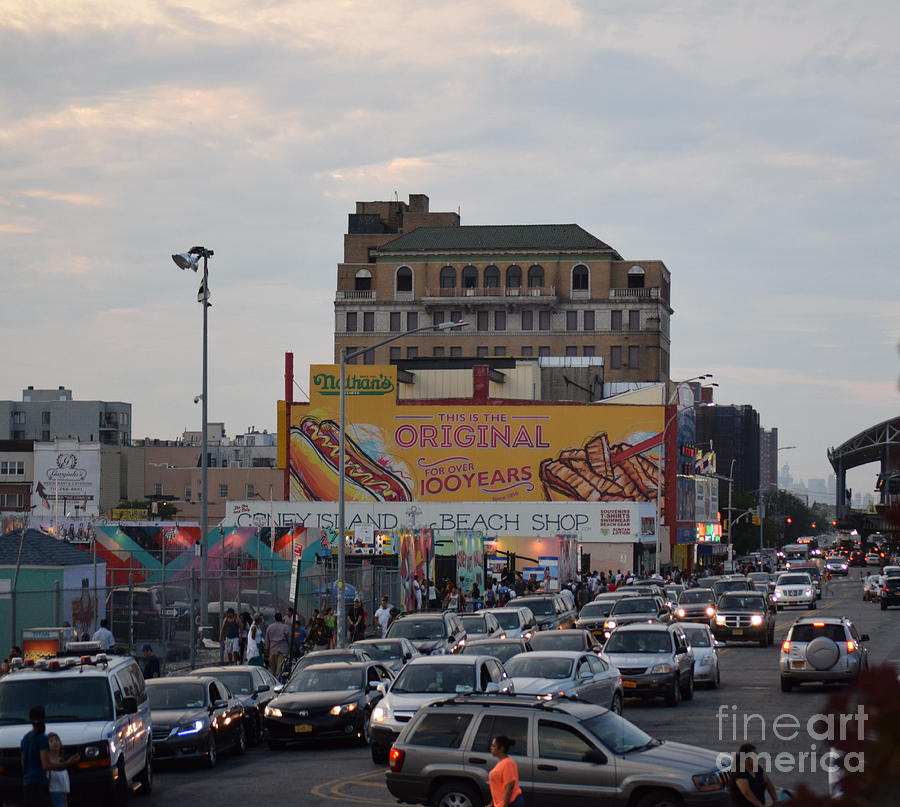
504	776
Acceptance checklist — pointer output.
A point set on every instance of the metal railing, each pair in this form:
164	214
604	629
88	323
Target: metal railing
368	294
492	291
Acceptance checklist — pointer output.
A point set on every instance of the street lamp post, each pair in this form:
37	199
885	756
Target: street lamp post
340	615
191	260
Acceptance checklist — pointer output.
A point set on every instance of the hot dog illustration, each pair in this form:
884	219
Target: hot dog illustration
315	452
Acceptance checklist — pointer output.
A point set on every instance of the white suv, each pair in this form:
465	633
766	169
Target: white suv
794	588
98	706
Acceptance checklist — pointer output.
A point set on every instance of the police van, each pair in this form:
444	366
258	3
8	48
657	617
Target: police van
98	705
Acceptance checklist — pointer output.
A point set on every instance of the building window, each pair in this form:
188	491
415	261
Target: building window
571	350
499	320
615	320
481	320
448	277
615	357
481	351
45	418
18	434
45	435
634	357
499	350
187	493
588	320
251	491
10	501
12	468
470	277
634	320
535	276
456	316
412	352
580	278
636	277
491	277
369	321
544	320
437	352
455	352
571	320
395	320
528	320
157	489
223	491
514	277
526	351
351	321
412	320
395	353
544	350
404	279
18	418
437	318
363	280
369	357
588	350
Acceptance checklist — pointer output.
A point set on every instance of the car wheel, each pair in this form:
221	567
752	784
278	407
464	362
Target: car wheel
212	754
673	696
688	692
240	745
786	685
117	795
253	733
145	777
363	736
659	798
616	705
718	679
380	753
456	794
812	606
276	745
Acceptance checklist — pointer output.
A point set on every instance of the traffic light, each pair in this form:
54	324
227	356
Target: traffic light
755	519
789	520
813	525
834	523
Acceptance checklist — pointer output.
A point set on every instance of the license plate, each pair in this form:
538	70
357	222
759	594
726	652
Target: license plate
797	665
303	728
737	631
629	684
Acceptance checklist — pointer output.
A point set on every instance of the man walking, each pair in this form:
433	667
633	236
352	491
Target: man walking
104	635
356	621
417	593
230	634
383	616
151	663
278	641
37	761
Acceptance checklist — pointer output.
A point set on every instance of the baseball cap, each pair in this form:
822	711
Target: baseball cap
147	647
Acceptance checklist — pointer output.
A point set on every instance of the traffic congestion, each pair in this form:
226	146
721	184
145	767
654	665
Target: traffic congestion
630	688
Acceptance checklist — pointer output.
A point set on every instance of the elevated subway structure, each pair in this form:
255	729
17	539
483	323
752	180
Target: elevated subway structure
881	444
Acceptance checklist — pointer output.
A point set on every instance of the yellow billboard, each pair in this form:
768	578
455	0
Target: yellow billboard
465	451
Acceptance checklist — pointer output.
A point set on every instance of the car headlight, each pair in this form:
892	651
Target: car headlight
192	728
710	611
756	619
610	624
658	669
707	781
341	708
776	595
808	592
272	711
720	619
680	612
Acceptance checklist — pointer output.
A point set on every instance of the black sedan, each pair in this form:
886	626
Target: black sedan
327	701
328	657
253	686
503	649
393	653
569	639
195	717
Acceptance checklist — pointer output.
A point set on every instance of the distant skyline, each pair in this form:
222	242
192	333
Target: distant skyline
764	176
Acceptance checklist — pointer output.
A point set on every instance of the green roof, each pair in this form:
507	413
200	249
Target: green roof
474	238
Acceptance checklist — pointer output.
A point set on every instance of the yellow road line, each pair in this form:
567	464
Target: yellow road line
334	790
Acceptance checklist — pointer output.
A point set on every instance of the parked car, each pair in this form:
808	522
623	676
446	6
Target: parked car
705	648
327	701
516	620
745	616
889	591
502	649
824	649
550	610
569	639
567	752
253	686
482	626
794	588
552	674
654	660
423	680
392	653
195	717
696	605
329	657
431	633
143	612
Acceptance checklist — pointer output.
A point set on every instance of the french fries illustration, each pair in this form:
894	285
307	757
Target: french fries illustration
595	473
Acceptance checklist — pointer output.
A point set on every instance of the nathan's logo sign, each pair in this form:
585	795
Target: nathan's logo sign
330	384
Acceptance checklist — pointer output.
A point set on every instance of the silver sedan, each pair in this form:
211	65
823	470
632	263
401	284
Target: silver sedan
706	653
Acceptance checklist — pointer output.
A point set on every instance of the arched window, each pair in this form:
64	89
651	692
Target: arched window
535	276
514	277
581	278
491	277
636	277
470	277
363	280
448	277
404	279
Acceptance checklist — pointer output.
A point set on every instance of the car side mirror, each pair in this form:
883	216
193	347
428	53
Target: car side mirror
263	688
277	688
407	656
595	756
717	644
129	706
597	648
492	687
864	637
220	704
380	687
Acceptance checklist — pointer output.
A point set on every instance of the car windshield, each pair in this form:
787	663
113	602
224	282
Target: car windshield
617	734
734	602
807	632
541	607
760	577
440	678
72	699
527	666
474	624
417	629
596	610
794	580
382	651
554	640
175	594
501	650
240	683
177	696
835	560
635	605
696	596
638	641
698	638
730	585
318	679
507	619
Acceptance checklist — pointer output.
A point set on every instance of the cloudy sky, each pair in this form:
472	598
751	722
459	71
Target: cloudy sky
751	146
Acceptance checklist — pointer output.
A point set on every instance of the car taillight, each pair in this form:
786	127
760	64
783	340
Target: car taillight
786	646
851	646
395	759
